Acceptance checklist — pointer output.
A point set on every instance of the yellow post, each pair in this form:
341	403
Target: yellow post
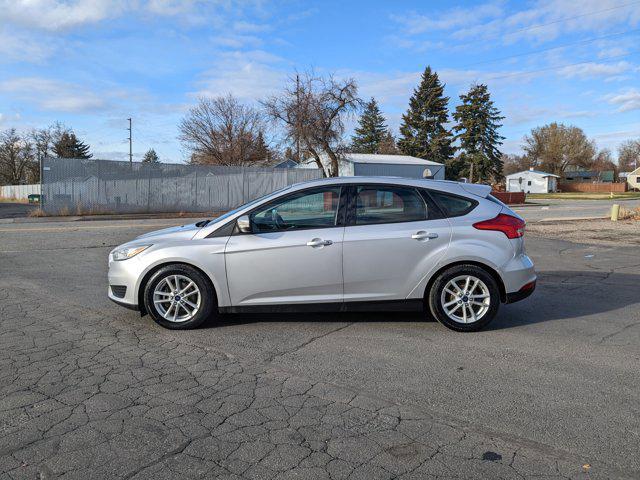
615	211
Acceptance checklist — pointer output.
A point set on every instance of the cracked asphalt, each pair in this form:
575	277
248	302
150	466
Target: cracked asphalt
90	390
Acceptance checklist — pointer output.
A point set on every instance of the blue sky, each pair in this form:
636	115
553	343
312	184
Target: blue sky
93	63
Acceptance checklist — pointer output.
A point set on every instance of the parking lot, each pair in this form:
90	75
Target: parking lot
91	390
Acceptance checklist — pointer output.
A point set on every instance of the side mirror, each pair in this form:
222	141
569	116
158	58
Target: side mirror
244	224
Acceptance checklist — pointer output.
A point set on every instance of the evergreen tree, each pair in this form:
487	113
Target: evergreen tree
388	144
260	150
423	133
68	146
151	157
372	130
478	121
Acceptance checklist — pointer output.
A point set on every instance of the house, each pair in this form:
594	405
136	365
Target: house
532	181
590	176
633	178
288	163
365	164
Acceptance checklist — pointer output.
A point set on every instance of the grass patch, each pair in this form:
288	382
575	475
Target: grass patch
13	200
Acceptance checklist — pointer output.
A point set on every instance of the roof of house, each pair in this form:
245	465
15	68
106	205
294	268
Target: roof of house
374	158
581	174
537	172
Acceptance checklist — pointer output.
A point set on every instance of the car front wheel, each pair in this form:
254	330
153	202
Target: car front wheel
464	298
179	297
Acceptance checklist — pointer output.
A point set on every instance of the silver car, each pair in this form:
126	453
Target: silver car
340	244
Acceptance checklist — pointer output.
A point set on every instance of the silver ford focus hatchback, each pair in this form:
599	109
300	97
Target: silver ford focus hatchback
340	244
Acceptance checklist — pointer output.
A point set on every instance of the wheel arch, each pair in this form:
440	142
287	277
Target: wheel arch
489	269
147	276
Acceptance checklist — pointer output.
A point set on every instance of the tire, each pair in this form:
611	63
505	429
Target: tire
458	312
193	304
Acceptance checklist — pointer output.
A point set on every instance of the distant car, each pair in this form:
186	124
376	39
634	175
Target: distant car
340	244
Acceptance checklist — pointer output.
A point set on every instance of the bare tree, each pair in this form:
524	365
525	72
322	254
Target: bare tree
223	131
629	155
555	146
313	111
514	163
16	157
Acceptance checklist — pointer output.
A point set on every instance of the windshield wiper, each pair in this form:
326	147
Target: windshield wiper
203	223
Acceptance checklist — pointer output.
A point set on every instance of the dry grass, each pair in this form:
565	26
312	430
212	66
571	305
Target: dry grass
629	214
12	200
598	232
37	212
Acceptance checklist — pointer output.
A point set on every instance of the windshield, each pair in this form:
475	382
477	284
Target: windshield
248	204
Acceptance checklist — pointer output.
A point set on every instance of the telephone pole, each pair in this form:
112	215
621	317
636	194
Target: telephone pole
130	144
297	118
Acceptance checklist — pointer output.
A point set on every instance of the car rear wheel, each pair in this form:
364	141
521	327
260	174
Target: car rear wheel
179	297
464	298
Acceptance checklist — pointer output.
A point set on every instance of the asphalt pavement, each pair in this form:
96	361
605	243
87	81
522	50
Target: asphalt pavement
91	390
15	210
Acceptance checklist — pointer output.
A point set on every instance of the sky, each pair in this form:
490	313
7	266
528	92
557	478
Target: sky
92	64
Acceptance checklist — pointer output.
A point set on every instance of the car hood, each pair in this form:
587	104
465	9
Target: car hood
171	233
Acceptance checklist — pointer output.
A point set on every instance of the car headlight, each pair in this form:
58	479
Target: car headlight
128	252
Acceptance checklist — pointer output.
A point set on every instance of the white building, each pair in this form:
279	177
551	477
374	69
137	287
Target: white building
532	181
364	164
633	178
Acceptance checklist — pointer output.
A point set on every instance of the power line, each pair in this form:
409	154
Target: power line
557	47
533	27
597	12
556	67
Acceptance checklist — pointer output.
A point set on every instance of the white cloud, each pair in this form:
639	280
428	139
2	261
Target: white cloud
58	15
247	75
626	101
54	95
453	18
22	47
594	69
544	21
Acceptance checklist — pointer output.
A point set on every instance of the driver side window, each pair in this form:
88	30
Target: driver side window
317	208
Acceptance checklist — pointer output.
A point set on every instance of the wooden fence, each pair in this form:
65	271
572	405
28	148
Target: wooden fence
584	187
510	198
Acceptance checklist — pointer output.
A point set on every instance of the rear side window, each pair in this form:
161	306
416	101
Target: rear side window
388	204
453	205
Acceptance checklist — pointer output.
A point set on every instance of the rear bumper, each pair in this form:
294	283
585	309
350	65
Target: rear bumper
521	294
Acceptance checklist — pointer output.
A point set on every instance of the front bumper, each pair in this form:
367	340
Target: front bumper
125	305
125	273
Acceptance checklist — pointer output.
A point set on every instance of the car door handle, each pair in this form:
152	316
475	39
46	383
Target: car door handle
422	235
318	242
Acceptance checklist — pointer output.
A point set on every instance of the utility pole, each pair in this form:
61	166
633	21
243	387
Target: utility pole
297	118
130	144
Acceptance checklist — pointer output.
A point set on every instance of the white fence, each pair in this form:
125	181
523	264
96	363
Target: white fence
19	192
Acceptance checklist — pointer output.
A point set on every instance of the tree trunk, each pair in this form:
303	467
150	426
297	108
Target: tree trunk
316	157
333	165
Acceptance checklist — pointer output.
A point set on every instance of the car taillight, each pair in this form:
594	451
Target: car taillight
512	227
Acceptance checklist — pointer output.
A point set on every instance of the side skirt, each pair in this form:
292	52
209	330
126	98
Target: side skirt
409	305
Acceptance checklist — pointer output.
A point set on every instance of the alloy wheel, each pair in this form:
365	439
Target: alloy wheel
177	298
465	299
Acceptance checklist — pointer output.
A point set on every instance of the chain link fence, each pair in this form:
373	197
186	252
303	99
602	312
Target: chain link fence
84	187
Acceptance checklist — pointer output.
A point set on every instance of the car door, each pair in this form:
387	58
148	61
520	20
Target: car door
293	254
395	235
